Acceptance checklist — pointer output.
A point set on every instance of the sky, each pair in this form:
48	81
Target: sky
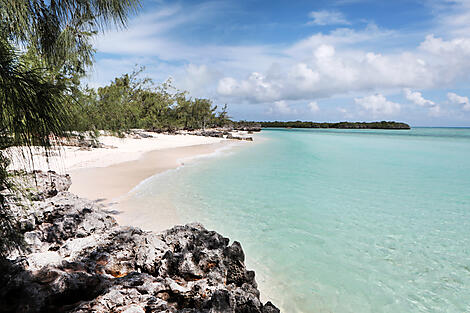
356	60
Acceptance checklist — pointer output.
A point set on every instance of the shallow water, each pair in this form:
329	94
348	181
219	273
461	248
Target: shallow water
340	220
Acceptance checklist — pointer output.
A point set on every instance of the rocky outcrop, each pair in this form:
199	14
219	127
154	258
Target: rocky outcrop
249	129
227	133
83	142
81	260
47	184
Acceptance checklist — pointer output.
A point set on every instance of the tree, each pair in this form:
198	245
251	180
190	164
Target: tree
33	85
222	118
130	101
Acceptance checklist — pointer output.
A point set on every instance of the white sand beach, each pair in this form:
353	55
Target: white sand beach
117	150
106	175
110	172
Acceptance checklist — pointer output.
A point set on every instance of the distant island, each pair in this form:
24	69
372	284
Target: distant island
339	125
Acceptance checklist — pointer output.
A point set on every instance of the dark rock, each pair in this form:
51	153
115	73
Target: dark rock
81	260
270	308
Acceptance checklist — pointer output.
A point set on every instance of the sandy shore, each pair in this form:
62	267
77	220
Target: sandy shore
110	185
112	182
106	175
117	150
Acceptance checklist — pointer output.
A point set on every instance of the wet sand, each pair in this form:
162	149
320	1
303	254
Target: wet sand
108	184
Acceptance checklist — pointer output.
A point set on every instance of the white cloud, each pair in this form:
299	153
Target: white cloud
378	105
320	70
417	98
452	16
151	35
327	73
281	107
327	18
197	79
313	106
459	100
256	87
339	37
439	46
343	62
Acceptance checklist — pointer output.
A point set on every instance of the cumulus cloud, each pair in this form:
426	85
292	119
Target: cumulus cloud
378	105
341	38
281	107
327	18
313	106
417	98
257	87
459	100
342	62
327	73
439	46
197	79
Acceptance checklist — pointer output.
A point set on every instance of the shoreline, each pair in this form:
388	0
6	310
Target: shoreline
118	179
105	187
113	169
108	174
113	150
114	192
111	186
79	259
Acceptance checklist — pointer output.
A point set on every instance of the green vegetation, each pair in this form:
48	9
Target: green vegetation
342	125
45	48
134	102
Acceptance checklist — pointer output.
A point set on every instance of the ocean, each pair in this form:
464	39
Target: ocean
340	220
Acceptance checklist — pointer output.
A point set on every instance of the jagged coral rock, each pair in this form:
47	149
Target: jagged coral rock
81	260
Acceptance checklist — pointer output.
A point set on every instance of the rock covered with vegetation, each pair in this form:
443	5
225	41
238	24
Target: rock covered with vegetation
79	259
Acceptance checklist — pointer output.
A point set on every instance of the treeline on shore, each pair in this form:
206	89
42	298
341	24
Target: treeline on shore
131	101
340	125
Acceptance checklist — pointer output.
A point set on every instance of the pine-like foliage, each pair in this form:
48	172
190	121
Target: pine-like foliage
61	30
44	45
130	101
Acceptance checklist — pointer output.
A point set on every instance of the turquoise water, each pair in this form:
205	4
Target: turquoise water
342	220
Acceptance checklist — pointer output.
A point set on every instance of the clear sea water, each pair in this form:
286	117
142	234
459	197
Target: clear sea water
341	220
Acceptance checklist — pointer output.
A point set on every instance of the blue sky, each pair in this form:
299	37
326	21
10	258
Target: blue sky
310	60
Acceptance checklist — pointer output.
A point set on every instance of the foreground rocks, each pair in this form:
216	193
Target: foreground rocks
81	260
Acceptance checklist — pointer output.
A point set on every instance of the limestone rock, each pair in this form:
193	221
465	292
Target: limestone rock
81	260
